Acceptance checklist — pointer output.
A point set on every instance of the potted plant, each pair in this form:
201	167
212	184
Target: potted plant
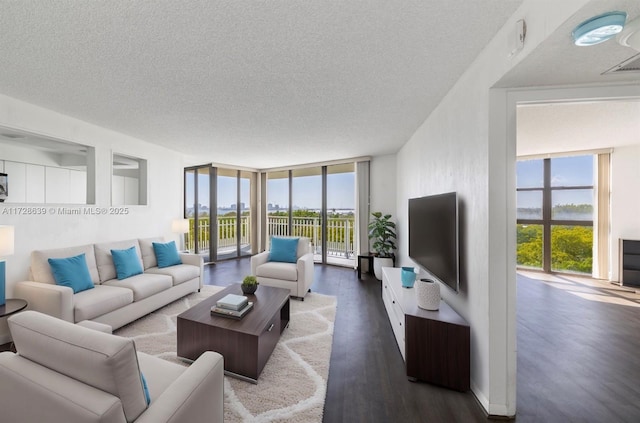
382	231
249	285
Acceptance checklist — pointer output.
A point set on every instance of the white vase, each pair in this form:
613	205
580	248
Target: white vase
379	263
427	294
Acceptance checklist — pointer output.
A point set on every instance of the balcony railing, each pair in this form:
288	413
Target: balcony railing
340	233
226	233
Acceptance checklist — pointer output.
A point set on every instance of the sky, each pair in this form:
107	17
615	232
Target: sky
307	191
565	171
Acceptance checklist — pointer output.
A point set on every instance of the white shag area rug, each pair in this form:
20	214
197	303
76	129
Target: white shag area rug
293	385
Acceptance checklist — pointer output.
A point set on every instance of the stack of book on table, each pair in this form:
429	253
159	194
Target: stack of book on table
232	305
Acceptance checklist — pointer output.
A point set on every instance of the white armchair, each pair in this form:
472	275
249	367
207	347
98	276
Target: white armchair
296	277
69	373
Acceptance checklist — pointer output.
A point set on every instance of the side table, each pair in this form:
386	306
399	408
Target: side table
11	306
369	258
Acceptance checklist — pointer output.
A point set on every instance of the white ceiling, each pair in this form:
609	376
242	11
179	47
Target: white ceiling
569	127
272	83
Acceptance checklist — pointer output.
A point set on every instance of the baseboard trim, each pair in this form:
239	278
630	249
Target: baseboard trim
492	411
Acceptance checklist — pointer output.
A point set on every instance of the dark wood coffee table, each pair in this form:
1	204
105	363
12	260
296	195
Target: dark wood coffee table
245	344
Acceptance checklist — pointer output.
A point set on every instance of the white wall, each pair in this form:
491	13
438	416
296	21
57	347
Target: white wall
382	179
53	230
625	199
462	146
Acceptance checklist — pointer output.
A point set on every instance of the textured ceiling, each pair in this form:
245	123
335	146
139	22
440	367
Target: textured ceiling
250	83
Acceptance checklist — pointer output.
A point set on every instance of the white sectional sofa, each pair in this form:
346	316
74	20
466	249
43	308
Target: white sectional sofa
112	301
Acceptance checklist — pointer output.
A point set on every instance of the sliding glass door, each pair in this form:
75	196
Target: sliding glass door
341	222
277	204
220	204
197	201
227	211
316	202
306	215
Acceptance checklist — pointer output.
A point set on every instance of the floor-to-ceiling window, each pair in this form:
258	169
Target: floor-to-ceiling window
306	213
555	212
277	204
197	201
220	204
341	211
317	202
227	210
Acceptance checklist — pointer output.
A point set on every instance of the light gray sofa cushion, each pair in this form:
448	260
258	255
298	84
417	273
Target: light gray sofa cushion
104	361
98	301
277	270
104	260
30	392
143	285
41	270
147	251
179	273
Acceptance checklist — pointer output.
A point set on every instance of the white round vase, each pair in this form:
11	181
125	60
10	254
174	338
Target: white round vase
427	294
379	263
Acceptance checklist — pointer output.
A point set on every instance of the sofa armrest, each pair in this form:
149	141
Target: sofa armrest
194	260
258	259
305	273
54	300
197	395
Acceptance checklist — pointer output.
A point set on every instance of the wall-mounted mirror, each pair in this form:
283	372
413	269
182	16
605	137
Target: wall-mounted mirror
128	180
41	169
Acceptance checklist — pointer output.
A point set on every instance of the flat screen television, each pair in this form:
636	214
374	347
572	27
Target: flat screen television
433	237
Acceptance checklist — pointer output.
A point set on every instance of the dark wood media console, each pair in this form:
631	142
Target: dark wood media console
434	344
629	271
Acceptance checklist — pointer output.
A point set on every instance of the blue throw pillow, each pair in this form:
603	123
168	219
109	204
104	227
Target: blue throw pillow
167	254
126	262
147	396
72	272
284	250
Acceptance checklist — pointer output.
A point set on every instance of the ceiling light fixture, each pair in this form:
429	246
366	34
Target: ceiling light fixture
599	28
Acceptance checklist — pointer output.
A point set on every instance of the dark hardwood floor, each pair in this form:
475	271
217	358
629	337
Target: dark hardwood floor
367	380
578	353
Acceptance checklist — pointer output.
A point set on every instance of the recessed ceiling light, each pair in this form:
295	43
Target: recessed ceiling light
599	28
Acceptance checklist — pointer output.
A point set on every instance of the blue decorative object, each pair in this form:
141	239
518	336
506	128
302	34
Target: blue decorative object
284	250
127	263
2	282
408	277
599	28
147	396
166	254
72	272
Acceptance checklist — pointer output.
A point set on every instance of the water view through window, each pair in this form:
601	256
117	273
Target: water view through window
305	215
555	211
